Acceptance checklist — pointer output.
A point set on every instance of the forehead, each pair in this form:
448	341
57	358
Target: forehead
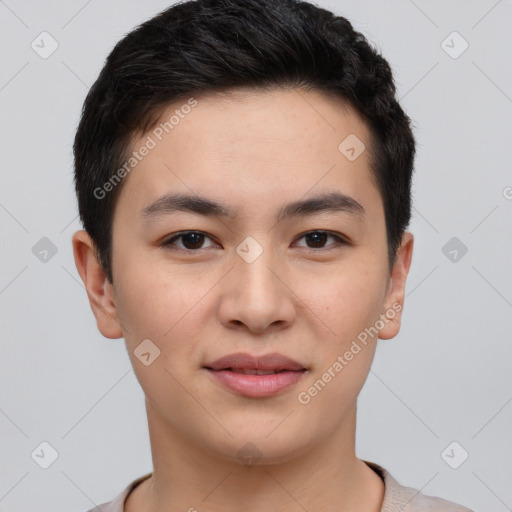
273	117
253	141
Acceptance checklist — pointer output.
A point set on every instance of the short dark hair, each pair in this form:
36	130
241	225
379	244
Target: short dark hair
207	46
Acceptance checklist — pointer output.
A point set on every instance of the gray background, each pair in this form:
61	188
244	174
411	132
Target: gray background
445	378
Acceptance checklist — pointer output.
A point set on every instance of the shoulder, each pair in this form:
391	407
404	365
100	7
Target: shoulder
117	504
405	499
397	498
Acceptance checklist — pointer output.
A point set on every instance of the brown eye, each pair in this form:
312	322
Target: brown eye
190	240
193	240
317	239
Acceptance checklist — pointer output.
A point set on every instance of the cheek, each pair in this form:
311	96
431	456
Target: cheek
348	354
162	312
152	306
332	394
167	308
351	307
355	310
347	299
150	299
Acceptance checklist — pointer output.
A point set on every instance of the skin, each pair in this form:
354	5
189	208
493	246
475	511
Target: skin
254	151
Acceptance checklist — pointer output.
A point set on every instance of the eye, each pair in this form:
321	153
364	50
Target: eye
318	239
191	241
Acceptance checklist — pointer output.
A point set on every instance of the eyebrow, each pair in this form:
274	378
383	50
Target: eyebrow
333	202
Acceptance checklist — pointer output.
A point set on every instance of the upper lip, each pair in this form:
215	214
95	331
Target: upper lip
244	361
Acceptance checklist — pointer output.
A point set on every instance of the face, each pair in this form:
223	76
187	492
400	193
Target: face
310	282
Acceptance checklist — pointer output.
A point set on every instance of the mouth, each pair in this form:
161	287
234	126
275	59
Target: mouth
241	362
250	371
256	376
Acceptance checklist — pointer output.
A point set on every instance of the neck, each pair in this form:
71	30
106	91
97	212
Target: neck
188	477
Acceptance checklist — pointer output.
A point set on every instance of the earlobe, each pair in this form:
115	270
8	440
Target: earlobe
394	302
99	290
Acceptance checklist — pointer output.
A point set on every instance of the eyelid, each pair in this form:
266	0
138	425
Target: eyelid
341	239
167	243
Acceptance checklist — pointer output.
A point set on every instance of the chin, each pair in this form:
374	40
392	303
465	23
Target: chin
255	446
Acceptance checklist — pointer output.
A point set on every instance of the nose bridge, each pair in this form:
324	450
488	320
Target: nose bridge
256	268
257	297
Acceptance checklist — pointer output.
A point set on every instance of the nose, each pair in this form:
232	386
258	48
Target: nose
257	295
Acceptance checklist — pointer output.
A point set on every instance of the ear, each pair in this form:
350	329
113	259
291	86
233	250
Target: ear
99	291
394	302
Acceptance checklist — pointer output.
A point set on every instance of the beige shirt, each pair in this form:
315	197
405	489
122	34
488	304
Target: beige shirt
397	498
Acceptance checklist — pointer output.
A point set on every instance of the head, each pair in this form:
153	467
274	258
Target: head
246	106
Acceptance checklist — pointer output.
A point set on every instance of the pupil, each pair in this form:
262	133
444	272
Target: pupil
315	238
195	238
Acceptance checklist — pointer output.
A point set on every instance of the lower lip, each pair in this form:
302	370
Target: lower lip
257	385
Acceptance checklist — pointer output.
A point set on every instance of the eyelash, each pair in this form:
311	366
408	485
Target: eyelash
168	244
